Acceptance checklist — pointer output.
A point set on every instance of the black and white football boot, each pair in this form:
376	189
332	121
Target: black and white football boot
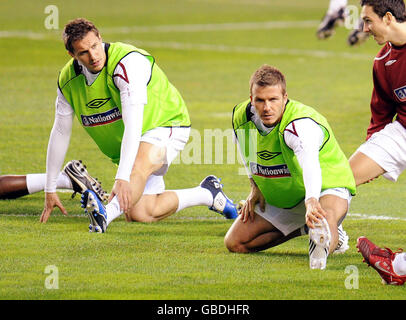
82	180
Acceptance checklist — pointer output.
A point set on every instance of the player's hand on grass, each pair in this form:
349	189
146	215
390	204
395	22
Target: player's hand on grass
122	189
51	201
248	209
314	212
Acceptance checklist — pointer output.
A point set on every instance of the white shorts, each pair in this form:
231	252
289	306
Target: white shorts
174	140
388	149
289	220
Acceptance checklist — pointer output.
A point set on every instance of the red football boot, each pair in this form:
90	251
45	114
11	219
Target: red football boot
381	260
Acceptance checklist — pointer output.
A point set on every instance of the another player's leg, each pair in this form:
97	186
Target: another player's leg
73	177
335	16
150	207
150	200
358	36
157	204
15	186
391	266
150	159
150	166
364	168
384	153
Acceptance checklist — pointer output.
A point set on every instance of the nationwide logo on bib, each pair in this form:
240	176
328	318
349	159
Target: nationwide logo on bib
278	171
99	119
401	93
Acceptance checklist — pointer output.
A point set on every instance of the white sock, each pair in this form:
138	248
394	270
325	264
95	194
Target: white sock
197	196
63	181
36	182
399	264
336	5
113	210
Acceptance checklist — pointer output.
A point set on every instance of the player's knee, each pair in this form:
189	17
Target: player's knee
145	168
233	245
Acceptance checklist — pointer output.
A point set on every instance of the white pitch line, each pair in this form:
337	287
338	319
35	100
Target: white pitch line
25	34
55	35
363	216
210	47
251	50
266	25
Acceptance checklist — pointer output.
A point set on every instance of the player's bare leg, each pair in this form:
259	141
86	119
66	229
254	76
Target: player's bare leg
150	159
336	208
364	168
254	236
13	186
154	207
160	204
323	219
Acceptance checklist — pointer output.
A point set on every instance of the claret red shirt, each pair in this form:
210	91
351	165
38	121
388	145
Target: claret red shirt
389	93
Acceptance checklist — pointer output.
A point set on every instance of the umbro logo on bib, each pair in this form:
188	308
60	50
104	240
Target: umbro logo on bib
267	155
97	103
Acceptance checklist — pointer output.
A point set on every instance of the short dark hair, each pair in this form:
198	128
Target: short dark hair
381	7
267	75
75	30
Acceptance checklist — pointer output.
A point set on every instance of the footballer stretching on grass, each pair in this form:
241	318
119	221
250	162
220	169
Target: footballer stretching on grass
301	181
137	118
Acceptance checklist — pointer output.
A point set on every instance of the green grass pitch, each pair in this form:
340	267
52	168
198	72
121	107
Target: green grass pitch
208	49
